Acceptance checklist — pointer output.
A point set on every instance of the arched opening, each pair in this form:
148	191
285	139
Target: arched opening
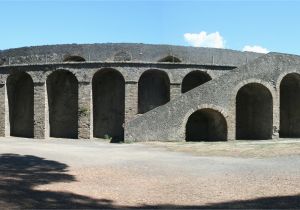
62	89
153	90
20	102
254	112
194	79
2	61
170	59
290	106
73	58
206	125
109	104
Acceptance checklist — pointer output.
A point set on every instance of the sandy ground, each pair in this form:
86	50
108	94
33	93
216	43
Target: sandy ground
60	173
241	148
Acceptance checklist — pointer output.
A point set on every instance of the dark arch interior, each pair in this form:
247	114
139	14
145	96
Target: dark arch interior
254	112
2	61
62	89
20	101
206	125
109	104
74	58
170	59
290	106
153	90
194	79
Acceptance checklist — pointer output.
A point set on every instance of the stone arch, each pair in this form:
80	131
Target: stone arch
153	90
170	59
74	58
206	125
62	90
108	104
254	112
20	95
289	106
194	79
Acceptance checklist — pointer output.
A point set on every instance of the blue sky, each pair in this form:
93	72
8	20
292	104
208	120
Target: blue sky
273	25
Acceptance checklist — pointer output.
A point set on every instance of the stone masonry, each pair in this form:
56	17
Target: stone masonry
138	92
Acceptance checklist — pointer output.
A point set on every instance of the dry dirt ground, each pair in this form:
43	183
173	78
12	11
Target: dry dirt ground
58	173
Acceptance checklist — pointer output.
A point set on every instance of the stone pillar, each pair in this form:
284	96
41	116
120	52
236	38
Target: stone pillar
41	129
131	100
2	110
6	121
85	123
276	115
175	90
231	118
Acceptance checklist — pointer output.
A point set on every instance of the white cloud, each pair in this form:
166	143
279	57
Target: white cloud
215	40
255	48
204	39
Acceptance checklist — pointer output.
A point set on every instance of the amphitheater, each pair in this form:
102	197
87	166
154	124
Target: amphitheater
139	92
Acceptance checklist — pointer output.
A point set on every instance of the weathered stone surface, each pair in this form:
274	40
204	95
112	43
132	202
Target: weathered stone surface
125	52
85	106
167	122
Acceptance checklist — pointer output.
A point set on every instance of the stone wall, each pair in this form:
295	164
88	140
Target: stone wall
122	92
124	53
62	96
168	122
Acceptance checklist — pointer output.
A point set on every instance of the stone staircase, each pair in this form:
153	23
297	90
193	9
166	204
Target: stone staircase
168	122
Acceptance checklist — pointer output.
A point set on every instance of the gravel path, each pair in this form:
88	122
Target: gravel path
93	174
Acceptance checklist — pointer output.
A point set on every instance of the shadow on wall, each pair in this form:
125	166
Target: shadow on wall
19	175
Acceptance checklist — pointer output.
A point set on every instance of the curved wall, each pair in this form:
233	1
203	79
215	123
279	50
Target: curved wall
125	53
85	61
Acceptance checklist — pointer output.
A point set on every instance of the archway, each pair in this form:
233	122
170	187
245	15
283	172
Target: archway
153	90
73	58
254	112
194	79
290	106
62	89
20	101
109	104
2	61
170	59
206	125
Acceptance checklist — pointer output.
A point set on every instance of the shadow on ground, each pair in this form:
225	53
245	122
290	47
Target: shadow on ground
19	174
280	202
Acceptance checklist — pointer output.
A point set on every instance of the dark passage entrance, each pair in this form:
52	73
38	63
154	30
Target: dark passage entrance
194	79
20	101
154	90
290	106
206	125
254	112
62	89
170	59
109	104
74	58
